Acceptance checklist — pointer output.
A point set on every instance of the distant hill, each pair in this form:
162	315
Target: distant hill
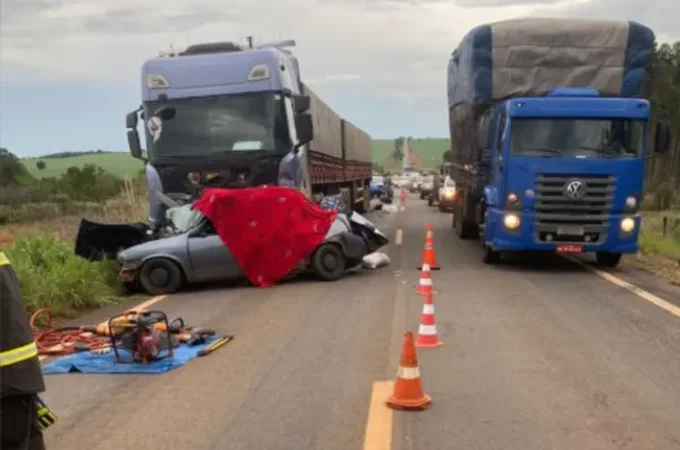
429	152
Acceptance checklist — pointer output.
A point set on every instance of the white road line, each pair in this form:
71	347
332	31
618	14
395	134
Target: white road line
399	237
643	294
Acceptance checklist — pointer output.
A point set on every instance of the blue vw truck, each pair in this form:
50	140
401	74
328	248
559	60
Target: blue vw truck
217	115
548	137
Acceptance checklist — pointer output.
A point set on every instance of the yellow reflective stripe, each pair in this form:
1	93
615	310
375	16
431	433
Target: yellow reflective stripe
19	354
3	259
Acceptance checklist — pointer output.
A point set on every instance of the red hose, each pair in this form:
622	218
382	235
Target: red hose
63	340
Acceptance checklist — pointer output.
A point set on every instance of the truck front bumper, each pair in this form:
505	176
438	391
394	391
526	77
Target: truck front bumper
527	237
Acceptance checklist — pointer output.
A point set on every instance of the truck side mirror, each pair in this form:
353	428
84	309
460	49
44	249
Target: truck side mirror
304	128
131	120
133	143
301	103
662	137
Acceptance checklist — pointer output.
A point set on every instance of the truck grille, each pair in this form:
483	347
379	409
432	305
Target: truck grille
561	218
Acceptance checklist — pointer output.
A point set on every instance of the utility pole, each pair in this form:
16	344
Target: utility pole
250	41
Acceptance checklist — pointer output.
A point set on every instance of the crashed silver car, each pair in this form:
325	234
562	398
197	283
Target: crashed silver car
189	250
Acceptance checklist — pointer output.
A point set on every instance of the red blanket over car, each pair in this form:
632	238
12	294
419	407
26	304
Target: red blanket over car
269	230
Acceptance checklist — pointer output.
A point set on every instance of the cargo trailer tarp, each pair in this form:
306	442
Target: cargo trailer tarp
529	57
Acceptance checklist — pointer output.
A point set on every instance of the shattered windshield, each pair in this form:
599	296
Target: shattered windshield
577	138
183	218
218	124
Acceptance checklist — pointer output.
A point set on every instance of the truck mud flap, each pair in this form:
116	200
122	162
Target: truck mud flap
99	241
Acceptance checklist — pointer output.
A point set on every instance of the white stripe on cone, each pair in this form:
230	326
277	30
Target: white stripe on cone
408	373
428	309
427	330
426	281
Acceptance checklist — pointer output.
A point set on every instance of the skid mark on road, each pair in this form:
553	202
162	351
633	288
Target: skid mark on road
379	424
145	304
643	294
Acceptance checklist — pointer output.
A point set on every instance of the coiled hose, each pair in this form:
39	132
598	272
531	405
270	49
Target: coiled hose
64	340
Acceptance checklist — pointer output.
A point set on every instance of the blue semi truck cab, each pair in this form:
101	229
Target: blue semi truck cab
565	173
559	172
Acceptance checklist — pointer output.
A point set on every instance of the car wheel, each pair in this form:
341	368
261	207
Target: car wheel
442	208
328	262
160	276
430	201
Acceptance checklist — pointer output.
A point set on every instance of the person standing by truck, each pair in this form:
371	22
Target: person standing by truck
21	378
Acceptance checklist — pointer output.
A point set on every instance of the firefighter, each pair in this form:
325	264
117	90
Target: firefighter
21	378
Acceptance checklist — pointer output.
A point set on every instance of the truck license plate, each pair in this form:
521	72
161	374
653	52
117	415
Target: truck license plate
569	248
570	230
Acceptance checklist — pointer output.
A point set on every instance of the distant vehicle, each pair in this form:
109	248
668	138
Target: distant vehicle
191	251
446	195
426	186
549	156
414	182
381	188
243	118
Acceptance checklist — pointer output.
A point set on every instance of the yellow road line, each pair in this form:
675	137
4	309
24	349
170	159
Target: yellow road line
144	305
379	424
399	237
643	294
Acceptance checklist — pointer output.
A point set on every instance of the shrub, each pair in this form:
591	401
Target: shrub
53	277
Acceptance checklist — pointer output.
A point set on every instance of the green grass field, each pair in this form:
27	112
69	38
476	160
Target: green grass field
119	163
429	151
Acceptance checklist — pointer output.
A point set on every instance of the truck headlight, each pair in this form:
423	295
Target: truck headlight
512	198
627	224
631	202
511	221
449	193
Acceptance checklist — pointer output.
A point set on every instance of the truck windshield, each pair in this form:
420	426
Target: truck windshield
220	123
577	138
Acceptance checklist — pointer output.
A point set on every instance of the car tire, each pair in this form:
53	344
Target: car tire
609	260
328	262
442	208
160	276
430	201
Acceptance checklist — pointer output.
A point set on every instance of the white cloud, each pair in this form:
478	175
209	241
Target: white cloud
396	48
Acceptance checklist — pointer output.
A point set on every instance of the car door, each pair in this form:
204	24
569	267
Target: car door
210	258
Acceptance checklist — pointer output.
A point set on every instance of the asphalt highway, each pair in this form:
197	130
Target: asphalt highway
539	353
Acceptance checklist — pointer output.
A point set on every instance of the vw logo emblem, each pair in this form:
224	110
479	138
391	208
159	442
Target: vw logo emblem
575	189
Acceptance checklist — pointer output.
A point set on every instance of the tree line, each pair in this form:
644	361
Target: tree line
18	187
663	91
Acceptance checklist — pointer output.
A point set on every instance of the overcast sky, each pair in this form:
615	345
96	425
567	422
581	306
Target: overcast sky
69	69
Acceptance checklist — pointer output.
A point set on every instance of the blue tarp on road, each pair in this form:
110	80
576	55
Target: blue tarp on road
88	363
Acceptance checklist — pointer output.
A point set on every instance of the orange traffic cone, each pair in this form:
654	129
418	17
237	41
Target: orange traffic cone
427	332
408	391
428	255
425	282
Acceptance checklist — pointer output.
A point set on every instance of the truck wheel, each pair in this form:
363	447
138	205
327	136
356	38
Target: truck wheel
160	276
430	201
328	262
491	256
464	228
610	260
